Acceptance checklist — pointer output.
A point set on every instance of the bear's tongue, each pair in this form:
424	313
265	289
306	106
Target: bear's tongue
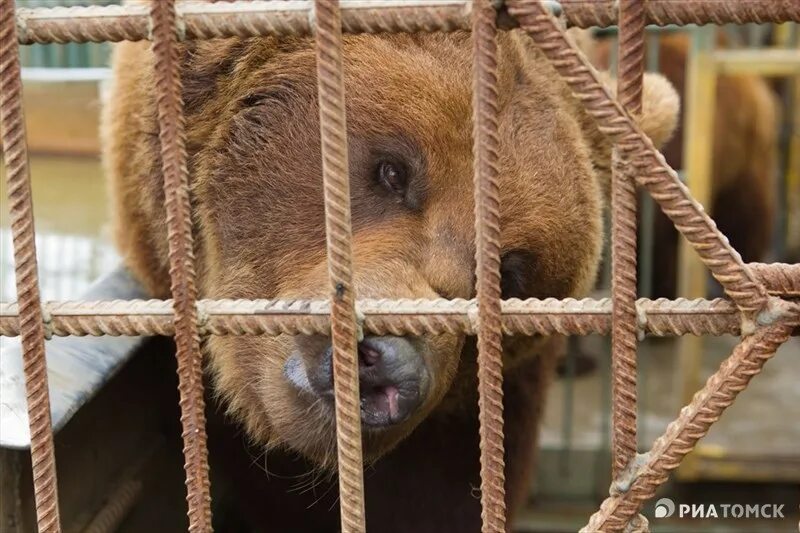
391	395
382	402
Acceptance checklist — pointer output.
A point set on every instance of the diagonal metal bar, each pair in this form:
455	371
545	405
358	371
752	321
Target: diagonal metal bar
646	162
695	419
487	256
181	262
336	182
780	279
748	286
31	323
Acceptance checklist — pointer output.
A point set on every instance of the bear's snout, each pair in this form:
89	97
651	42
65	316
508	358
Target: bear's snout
394	379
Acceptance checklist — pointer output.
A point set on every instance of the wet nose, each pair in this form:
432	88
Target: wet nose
392	375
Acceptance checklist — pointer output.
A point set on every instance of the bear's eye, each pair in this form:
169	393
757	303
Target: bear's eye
251	100
392	176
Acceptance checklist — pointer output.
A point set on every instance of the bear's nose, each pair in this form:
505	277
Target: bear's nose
392	373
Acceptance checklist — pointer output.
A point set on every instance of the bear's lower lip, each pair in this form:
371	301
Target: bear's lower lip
380	406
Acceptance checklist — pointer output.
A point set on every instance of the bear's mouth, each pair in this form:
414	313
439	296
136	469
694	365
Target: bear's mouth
393	377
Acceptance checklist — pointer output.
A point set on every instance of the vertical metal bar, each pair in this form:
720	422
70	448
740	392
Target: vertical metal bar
791	182
15	150
701	84
487	255
646	244
701	89
695	419
646	237
623	242
47	54
36	56
181	260
333	132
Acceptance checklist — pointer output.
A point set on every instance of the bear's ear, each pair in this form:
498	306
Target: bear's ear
660	101
660	113
660	108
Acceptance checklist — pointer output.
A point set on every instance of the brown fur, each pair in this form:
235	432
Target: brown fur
254	162
743	164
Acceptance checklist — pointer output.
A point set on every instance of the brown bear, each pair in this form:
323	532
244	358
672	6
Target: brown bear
254	163
744	159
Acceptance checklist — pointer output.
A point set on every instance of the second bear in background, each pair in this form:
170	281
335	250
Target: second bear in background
743	160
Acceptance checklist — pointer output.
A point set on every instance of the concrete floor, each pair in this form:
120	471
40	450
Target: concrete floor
751	455
764	421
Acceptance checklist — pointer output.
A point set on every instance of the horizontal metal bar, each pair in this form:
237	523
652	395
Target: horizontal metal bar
780	279
274	317
603	13
202	20
773	62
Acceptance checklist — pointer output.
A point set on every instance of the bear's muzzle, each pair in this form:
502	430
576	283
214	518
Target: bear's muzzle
394	379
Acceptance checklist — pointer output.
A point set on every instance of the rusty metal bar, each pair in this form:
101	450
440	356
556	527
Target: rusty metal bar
630	66
31	317
750	286
699	106
181	261
279	17
487	258
202	20
780	279
645	162
396	317
695	419
623	243
603	13
336	183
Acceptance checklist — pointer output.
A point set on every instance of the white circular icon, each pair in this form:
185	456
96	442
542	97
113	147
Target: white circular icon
665	508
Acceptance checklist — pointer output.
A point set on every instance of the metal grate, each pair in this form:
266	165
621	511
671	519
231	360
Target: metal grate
758	308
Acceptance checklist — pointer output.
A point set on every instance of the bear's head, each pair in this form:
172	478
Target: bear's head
255	171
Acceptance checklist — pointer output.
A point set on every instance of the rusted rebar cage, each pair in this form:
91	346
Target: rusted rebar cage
759	305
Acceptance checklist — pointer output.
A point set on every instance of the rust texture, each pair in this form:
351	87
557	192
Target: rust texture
181	262
336	184
644	161
630	69
119	504
693	423
31	319
487	257
724	262
623	243
780	279
623	319
234	19
273	17
660	317
586	13
755	308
